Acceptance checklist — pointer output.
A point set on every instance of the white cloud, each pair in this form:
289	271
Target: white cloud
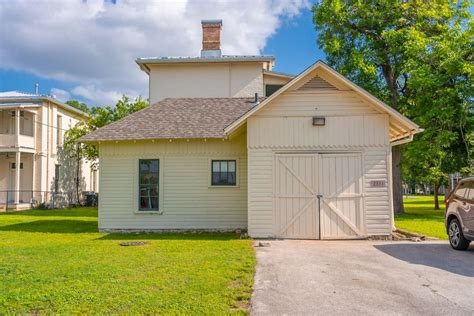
60	94
103	97
93	44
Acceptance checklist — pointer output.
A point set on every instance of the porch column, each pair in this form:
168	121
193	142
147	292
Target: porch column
17	177
17	157
17	128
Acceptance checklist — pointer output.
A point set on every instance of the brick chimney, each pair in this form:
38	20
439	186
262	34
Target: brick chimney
211	38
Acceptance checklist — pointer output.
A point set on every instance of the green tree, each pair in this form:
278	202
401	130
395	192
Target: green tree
78	105
441	95
379	44
98	117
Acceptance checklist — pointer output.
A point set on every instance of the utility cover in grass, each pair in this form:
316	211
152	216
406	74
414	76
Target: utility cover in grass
134	243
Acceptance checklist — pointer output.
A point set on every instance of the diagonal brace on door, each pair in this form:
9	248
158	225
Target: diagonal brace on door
342	216
296	216
296	176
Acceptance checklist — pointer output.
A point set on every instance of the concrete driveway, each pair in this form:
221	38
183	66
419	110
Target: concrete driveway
363	277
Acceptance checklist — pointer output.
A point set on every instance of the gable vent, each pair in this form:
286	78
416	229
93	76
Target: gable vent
317	83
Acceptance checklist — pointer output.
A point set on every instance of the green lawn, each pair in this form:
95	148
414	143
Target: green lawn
420	217
57	262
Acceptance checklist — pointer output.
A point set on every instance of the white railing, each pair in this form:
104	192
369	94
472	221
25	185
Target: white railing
27	141
9	140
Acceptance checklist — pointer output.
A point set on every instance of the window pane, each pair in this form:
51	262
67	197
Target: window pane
232	166
460	192
215	166
223	166
231	177
149	203
470	195
215	177
223	179
148	186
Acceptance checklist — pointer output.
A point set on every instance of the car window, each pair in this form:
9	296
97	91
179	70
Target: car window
461	191
470	194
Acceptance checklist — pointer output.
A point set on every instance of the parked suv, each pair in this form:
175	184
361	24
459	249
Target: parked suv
459	216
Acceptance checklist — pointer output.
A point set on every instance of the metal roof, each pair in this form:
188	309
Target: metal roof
198	59
16	93
22	98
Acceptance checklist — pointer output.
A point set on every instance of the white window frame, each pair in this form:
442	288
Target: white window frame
136	188
237	173
59	130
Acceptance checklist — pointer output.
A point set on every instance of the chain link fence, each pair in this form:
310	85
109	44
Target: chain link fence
28	199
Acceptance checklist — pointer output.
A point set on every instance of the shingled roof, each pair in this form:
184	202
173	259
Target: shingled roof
175	118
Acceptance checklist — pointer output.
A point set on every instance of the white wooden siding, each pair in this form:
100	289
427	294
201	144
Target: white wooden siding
377	200
285	126
187	199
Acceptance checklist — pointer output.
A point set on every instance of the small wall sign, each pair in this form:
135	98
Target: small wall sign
319	121
378	183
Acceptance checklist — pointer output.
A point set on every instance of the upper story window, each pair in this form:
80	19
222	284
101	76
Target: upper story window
59	130
224	172
271	89
148	184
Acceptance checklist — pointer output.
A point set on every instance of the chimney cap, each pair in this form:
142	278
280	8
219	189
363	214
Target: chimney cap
215	21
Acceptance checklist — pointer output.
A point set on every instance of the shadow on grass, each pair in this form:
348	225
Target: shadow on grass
439	255
72	212
420	217
53	226
428	204
171	236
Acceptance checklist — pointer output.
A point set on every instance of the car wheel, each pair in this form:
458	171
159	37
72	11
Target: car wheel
456	237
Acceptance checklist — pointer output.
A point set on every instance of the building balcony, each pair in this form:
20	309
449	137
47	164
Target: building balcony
9	141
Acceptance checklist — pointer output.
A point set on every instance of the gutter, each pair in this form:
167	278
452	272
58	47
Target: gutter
402	141
406	139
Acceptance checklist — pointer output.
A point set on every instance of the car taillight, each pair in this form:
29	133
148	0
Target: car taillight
446	202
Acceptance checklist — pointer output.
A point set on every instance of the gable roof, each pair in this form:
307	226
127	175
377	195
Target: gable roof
400	126
174	118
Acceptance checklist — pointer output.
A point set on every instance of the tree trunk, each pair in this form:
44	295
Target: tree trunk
397	179
77	176
436	201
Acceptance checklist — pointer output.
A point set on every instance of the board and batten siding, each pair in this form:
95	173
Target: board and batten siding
285	126
186	197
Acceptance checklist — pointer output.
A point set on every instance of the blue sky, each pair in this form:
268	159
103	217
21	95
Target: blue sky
78	50
293	45
85	50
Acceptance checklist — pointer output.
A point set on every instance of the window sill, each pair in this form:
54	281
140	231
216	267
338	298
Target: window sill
149	212
223	187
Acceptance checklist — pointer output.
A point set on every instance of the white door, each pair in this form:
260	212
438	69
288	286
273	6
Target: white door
318	196
340	185
296	203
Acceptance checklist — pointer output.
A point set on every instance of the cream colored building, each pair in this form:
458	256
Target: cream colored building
33	165
309	160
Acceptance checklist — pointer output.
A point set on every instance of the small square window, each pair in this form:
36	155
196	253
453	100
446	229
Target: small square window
224	172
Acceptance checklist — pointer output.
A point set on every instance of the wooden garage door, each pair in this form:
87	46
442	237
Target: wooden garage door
318	196
340	185
296	204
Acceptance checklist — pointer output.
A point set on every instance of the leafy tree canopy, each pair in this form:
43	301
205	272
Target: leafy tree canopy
99	117
78	105
417	56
